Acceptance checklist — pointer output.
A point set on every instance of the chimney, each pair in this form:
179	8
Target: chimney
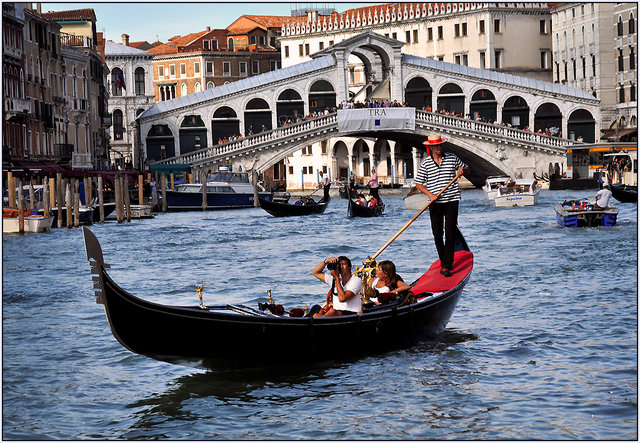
312	16
125	39
208	28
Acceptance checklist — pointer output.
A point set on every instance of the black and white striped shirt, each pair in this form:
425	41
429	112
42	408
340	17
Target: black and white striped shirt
435	177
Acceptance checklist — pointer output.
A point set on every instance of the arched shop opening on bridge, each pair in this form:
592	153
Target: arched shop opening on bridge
322	96
418	93
483	105
160	143
257	116
451	98
224	124
193	134
515	111
289	106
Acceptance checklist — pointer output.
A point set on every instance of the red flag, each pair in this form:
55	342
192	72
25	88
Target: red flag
120	81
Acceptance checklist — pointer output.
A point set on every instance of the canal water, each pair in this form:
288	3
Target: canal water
543	344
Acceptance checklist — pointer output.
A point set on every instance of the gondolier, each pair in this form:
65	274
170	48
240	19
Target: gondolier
435	171
323	182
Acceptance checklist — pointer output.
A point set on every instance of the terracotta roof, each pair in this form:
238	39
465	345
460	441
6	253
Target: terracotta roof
76	14
268	20
141	45
171	47
259	21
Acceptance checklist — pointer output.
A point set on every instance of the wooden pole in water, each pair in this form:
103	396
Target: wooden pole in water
87	191
164	193
52	193
140	189
76	202
45	196
203	181
20	207
59	197
11	186
191	178
118	197
32	195
101	199
69	203
127	196
171	175
254	182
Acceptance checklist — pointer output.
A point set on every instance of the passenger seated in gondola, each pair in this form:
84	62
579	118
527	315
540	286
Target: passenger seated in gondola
345	288
386	281
299	202
373	202
360	200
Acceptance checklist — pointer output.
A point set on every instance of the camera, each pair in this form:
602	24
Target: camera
332	266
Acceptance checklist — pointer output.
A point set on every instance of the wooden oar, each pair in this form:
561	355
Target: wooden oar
414	218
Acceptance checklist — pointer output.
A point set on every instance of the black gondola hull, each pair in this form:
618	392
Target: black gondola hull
289	210
624	193
356	210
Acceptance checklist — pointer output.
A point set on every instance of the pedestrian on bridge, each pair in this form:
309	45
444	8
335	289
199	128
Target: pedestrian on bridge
434	173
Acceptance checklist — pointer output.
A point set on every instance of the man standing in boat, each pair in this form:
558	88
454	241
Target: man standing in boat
345	288
434	173
323	182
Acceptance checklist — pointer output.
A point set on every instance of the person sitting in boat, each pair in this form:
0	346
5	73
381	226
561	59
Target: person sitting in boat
386	281
299	202
345	288
373	202
602	197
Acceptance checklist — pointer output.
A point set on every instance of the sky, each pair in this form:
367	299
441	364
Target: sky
163	20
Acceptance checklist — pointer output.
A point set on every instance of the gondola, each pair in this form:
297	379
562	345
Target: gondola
289	210
624	193
231	336
356	210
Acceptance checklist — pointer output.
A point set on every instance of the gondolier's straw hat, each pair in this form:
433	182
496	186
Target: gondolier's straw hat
433	140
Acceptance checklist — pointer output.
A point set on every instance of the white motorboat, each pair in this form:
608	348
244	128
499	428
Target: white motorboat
521	192
141	211
32	223
491	186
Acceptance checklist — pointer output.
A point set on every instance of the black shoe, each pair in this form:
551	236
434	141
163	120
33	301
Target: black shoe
445	272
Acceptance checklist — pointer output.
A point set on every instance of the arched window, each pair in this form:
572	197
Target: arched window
620	26
632	24
138	112
197	86
565	40
183	90
117	82
139	74
230	44
210	85
118	128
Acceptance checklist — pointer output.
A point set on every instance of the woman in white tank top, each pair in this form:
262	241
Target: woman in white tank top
386	280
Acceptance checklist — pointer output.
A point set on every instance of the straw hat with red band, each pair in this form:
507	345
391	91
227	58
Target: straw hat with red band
432	141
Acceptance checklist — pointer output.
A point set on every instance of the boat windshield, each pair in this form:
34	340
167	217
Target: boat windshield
230	177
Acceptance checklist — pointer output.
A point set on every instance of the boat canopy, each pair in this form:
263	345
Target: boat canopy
229	177
166	169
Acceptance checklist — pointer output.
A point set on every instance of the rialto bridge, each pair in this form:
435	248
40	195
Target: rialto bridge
190	129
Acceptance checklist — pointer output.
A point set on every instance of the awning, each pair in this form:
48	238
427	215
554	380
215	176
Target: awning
37	167
166	169
612	133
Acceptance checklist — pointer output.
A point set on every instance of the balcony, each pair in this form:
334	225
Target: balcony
16	107
592	48
10	51
631	39
63	150
76	40
563	55
81	161
106	121
618	42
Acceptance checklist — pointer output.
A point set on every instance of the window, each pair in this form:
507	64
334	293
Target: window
566	72
226	68
330	42
573	12
261	40
307	150
632	29
116	85
306	49
632	93
457	59
621	98
205	45
183	70
196	67
557	72
575	70
139	81
584	67
210	85
304	170
117	125
209	66
172	71
183	90
620	30
593	64
407	36
161	71
291	170
214	45
498	56
465	59
243	69
481	26
197	87
440	33
300	50
275	64
464	29
496	26
394	36
632	59
543	27
441	58
252	40
483	62
456	28
415	36
286	52
255	66
429	34
543	59
621	61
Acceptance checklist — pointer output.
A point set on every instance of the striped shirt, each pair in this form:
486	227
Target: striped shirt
435	177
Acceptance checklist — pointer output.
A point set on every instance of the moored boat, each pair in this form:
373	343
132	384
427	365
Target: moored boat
624	183
141	211
85	215
309	207
624	193
581	213
242	336
32	223
492	185
225	190
521	192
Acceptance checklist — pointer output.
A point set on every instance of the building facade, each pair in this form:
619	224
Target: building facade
130	85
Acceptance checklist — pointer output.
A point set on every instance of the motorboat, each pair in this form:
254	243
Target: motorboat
32	221
624	184
520	192
141	211
225	190
242	336
582	213
492	185
85	215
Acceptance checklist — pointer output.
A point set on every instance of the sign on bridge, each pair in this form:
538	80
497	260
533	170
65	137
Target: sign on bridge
373	119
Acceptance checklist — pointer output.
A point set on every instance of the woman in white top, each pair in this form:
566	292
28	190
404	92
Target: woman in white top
386	280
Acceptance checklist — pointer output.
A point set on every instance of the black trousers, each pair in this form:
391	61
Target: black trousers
374	192
444	219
